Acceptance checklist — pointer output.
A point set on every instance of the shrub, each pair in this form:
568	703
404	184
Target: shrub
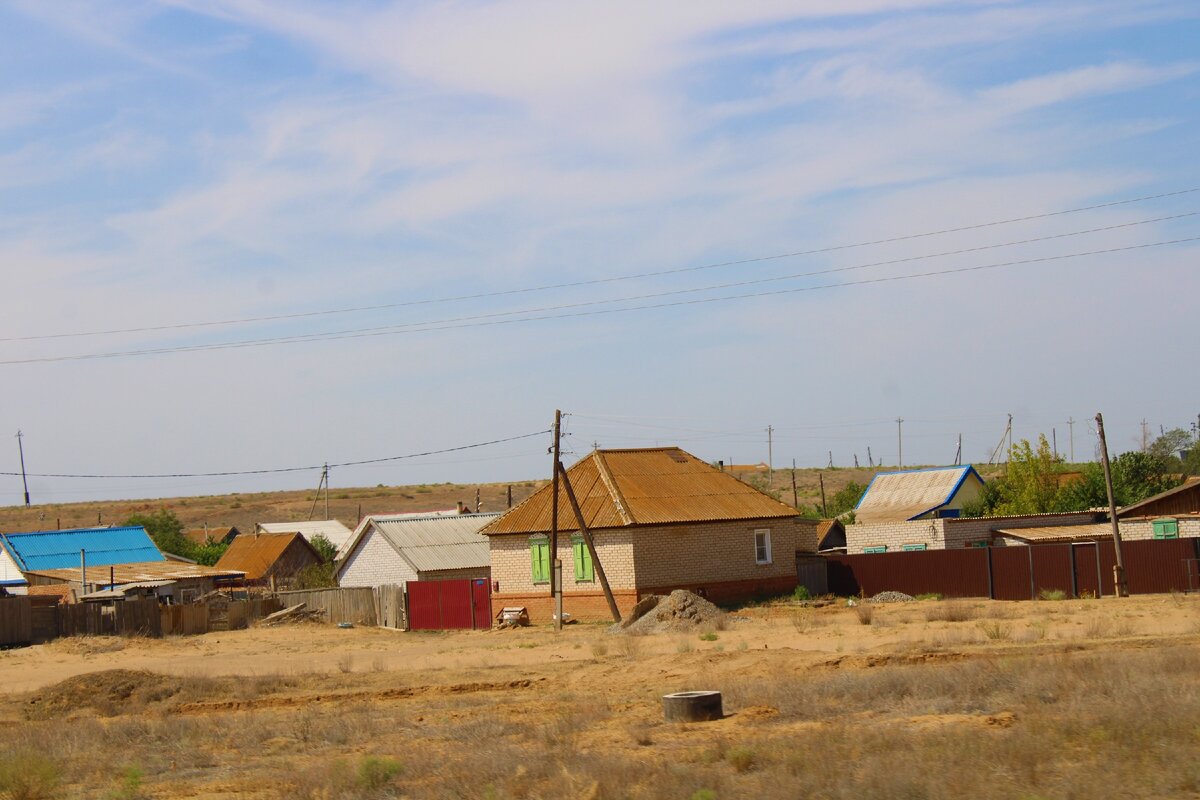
28	775
952	611
928	596
704	794
996	631
865	613
1052	594
375	772
709	637
801	593
740	758
130	786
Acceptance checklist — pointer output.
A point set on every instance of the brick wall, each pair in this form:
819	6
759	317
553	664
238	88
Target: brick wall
467	573
582	606
513	569
1138	529
960	532
375	563
894	535
716	552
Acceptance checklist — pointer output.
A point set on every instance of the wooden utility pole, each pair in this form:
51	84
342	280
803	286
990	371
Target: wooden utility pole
591	546
830	459
870	458
1119	567
477	503
555	562
324	482
770	454
326	491
1054	438
795	494
1071	428
824	508
899	442
25	483
509	493
958	452
1145	435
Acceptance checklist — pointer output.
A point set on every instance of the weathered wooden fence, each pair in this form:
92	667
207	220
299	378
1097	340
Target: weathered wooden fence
16	621
355	605
390	607
127	618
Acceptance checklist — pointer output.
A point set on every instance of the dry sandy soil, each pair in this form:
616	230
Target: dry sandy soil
931	699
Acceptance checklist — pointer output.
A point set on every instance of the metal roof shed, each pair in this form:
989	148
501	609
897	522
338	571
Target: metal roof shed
407	547
103	547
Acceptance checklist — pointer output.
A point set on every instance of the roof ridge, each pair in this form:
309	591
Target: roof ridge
614	490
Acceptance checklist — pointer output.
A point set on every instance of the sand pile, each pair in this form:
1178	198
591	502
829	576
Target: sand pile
679	611
105	693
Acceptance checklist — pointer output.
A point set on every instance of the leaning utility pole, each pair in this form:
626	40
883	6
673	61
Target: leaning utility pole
555	562
1119	567
325	483
24	482
824	508
899	442
1071	427
795	494
591	546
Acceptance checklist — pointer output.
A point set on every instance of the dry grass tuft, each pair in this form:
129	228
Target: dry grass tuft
864	613
950	611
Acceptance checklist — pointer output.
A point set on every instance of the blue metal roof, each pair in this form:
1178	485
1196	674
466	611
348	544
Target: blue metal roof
60	549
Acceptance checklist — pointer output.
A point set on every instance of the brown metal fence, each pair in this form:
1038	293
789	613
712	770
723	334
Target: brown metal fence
1019	572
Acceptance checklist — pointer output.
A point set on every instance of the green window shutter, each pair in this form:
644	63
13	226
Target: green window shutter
879	548
1166	529
539	552
583	561
914	547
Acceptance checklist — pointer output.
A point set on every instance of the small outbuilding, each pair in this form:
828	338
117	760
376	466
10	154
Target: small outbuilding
207	535
269	558
397	548
35	551
906	495
331	529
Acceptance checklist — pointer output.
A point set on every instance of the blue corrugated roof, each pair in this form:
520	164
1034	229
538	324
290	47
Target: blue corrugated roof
60	549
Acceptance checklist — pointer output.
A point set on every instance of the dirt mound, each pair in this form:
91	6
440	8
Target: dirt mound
105	693
679	611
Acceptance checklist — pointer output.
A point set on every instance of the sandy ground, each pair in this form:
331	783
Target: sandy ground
807	636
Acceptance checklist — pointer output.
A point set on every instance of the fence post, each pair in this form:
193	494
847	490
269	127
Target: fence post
1032	584
991	580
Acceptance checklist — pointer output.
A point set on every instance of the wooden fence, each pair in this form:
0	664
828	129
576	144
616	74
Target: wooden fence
16	621
354	605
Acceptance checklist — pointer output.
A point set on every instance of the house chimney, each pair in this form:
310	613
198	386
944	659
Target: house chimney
462	509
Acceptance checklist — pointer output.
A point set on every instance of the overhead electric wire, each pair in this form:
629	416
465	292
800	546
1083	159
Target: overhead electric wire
483	320
598	281
308	468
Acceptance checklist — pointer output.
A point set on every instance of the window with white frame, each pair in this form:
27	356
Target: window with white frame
762	546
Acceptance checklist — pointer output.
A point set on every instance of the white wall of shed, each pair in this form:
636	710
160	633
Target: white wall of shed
374	563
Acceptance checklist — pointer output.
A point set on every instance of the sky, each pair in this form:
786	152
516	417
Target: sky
244	235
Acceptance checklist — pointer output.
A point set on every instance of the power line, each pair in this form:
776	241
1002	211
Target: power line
485	319
596	281
308	468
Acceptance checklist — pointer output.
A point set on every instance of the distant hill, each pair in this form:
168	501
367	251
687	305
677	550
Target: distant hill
244	510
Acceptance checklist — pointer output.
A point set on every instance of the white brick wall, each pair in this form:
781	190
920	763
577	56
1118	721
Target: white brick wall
894	535
375	563
1138	529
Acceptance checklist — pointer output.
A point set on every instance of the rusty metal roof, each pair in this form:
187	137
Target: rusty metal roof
202	536
256	553
646	486
146	571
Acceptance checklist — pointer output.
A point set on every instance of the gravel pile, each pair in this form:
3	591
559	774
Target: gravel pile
679	611
892	597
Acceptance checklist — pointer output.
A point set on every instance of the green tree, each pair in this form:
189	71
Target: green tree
1136	476
324	548
1168	447
209	553
845	499
1031	485
166	530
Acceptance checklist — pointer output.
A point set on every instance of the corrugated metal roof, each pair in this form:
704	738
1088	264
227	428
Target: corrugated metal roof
257	553
1187	496
1059	533
202	536
150	571
647	486
901	496
438	542
333	530
41	550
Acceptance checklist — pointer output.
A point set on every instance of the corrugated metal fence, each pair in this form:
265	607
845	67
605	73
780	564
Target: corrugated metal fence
1020	572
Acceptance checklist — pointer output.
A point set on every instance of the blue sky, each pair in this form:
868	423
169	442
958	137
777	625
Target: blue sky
169	163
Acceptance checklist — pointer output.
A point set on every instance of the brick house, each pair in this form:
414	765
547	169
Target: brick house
912	494
661	519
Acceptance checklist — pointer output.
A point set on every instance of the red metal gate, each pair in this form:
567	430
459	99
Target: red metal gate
444	605
1086	558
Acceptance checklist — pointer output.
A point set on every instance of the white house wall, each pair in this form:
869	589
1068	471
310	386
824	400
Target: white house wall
8	568
375	563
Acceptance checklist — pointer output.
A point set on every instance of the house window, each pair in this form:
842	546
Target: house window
909	547
539	553
583	561
949	513
980	543
762	546
1166	528
875	548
